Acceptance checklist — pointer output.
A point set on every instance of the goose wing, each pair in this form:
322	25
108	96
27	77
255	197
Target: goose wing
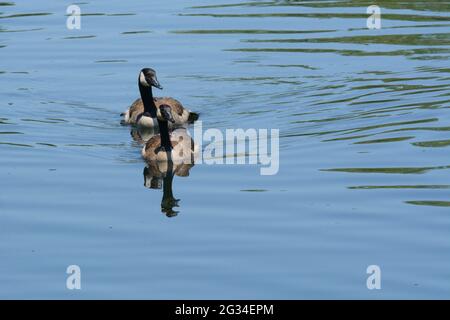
136	108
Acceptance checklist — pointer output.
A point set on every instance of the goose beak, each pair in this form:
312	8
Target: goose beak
156	83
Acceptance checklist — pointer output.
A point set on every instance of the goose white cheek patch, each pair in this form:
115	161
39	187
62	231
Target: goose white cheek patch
142	80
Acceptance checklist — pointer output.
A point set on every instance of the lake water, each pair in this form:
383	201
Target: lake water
364	175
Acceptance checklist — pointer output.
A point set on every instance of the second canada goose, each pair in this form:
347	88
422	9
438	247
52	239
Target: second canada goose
142	111
176	146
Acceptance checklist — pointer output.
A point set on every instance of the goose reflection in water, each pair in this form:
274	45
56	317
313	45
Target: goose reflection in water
159	174
142	135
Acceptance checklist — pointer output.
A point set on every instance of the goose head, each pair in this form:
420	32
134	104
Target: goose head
165	113
147	78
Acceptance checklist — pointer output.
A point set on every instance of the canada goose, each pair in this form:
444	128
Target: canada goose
142	111
176	146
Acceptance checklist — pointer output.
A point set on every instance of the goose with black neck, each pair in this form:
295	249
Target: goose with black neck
176	145
142	112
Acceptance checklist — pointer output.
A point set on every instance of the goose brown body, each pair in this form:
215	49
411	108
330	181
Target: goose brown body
183	150
180	114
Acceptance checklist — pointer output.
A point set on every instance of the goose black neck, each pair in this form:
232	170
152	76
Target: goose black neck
147	100
164	132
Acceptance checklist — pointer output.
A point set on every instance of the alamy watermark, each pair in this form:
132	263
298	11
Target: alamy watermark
73	281
374	279
374	20
238	146
74	17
